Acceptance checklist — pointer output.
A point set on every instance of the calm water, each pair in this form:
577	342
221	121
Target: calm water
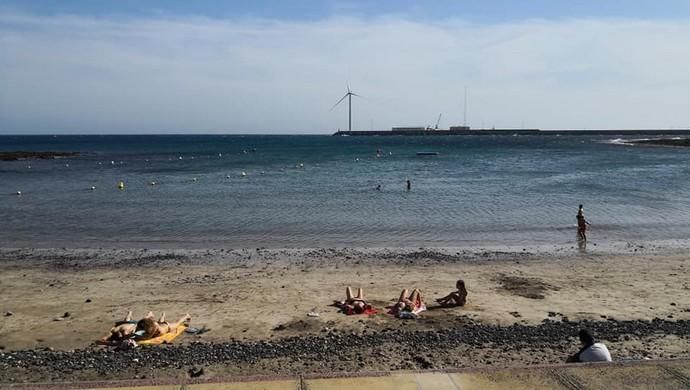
479	189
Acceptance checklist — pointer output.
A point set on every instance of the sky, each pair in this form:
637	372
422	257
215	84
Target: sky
278	67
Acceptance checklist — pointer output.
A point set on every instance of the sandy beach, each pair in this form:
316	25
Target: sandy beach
58	301
234	168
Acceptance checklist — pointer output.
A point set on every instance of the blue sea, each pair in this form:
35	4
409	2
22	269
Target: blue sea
316	191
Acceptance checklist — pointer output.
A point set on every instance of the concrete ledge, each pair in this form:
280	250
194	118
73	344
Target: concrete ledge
666	374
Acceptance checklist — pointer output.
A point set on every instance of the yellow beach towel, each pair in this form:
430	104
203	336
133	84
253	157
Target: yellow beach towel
164	339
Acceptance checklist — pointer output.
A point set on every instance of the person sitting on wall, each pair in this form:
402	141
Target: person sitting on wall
591	351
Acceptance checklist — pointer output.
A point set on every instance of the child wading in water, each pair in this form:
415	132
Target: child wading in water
581	224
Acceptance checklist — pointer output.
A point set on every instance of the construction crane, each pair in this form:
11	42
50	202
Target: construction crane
438	121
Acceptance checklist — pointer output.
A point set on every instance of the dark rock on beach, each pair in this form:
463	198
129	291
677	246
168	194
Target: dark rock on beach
388	349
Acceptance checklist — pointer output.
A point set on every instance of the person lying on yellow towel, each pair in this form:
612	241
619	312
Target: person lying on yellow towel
145	331
149	328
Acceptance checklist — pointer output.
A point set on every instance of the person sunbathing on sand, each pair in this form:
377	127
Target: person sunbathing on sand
411	303
122	330
355	304
152	328
455	298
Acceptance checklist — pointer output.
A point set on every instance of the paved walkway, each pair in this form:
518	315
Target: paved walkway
631	375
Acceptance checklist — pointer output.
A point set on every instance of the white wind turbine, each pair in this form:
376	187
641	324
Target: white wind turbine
349	96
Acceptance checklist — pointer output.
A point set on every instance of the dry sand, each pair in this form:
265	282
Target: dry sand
266	294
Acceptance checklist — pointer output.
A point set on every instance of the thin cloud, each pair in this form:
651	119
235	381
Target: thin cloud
82	75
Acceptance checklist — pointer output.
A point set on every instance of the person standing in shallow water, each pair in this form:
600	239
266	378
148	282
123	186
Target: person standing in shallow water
409	184
581	224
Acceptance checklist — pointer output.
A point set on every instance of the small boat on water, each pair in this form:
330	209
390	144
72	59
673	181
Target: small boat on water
427	153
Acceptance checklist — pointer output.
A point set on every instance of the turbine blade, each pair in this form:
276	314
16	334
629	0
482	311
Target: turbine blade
348	87
341	99
354	94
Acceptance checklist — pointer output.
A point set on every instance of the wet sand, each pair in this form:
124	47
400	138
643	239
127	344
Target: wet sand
256	301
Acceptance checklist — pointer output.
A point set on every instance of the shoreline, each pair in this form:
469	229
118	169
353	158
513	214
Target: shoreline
680	143
524	307
21	155
105	255
600	244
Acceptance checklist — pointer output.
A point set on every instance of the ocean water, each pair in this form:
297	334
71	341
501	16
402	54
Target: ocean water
311	191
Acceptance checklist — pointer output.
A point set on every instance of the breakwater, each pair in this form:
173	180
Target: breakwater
432	132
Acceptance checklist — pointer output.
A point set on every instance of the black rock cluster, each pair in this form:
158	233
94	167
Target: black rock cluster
332	348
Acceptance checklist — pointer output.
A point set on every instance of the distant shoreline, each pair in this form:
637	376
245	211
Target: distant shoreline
493	131
24	155
685	142
326	133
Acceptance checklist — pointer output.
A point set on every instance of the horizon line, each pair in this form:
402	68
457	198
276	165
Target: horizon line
345	131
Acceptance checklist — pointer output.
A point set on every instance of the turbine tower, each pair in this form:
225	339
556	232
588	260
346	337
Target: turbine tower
349	96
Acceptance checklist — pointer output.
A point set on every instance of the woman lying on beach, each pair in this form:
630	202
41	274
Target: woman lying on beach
354	304
456	298
121	331
409	304
148	328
